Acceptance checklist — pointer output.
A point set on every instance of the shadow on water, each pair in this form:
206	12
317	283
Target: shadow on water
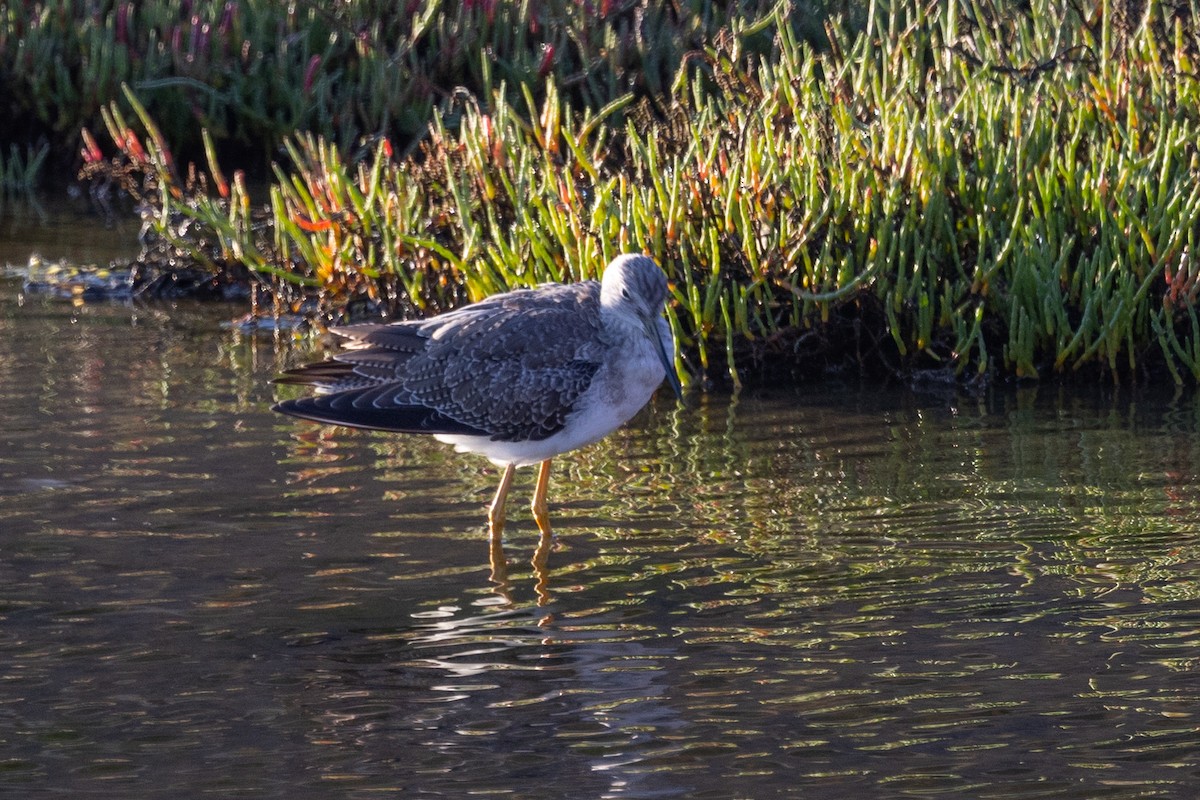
821	591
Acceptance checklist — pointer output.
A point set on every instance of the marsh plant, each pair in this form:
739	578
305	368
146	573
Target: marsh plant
962	188
253	72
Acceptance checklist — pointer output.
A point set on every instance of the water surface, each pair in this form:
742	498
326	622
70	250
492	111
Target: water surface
820	592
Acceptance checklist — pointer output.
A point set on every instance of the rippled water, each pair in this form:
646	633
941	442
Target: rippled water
822	592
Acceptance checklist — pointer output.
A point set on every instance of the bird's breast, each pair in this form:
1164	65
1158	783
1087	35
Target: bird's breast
627	382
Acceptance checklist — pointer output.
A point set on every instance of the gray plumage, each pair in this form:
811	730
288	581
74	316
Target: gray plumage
527	366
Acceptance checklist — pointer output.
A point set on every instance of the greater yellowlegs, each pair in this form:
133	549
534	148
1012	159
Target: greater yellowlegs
519	377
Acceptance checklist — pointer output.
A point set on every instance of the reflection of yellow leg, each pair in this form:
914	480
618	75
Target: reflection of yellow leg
496	509
499	567
541	511
540	556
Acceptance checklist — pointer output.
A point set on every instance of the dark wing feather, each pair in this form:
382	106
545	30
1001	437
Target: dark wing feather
340	409
511	367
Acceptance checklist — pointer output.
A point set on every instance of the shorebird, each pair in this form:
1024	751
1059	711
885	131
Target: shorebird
519	377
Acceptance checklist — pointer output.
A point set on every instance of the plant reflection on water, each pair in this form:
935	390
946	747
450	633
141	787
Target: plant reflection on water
824	590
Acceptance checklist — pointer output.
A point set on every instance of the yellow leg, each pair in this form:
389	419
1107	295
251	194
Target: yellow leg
496	509
541	511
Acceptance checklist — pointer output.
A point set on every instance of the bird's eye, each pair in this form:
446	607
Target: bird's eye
625	293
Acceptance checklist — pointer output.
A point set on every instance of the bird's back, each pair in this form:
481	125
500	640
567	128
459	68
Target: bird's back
511	367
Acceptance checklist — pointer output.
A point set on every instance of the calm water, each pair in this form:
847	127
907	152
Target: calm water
825	592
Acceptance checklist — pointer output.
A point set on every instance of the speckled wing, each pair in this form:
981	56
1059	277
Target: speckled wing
511	367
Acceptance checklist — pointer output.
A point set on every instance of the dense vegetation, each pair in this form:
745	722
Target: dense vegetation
962	188
253	72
